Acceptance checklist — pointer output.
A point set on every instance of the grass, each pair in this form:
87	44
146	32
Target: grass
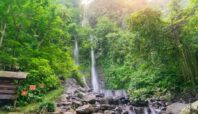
51	96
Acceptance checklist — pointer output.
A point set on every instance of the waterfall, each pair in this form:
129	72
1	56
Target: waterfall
94	76
84	22
76	58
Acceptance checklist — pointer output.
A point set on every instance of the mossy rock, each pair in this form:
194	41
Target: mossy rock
191	109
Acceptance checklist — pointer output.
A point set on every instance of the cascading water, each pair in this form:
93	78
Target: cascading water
76	58
94	76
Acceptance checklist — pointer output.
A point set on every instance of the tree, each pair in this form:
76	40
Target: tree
187	59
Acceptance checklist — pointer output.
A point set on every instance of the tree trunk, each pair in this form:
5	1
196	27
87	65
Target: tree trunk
3	34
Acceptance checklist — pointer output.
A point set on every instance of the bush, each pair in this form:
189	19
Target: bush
49	107
41	75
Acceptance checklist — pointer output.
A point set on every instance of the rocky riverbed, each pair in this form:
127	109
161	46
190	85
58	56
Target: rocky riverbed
78	100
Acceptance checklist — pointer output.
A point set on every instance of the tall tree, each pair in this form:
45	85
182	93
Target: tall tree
186	57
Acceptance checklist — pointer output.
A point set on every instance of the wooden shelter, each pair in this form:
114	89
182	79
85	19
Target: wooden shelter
9	82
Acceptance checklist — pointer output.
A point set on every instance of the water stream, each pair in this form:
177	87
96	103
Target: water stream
76	58
94	76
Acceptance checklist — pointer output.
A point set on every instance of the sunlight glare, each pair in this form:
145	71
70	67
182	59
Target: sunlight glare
149	0
86	2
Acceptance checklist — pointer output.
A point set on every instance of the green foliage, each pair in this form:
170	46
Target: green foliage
78	76
147	59
41	75
49	107
50	97
38	41
147	55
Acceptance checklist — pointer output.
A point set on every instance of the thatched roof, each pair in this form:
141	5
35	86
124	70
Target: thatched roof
13	75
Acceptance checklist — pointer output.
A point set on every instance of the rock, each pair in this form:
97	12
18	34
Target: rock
63	111
102	101
80	94
70	112
90	99
100	95
64	97
82	89
115	101
138	110
97	109
175	108
118	109
167	103
64	104
70	91
65	107
191	109
107	107
74	98
124	100
50	113
57	110
109	112
89	90
85	109
163	108
125	112
109	100
76	103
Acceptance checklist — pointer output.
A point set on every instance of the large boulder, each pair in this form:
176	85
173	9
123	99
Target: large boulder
102	100
90	99
85	109
175	108
80	94
109	100
191	109
115	101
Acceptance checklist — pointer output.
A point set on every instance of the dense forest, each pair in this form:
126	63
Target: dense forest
36	38
145	49
148	48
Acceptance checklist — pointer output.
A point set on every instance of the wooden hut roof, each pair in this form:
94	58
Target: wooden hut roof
13	75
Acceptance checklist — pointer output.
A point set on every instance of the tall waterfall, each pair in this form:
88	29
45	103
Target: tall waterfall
76	58
94	76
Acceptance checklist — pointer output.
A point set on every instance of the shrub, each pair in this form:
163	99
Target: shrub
49	107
